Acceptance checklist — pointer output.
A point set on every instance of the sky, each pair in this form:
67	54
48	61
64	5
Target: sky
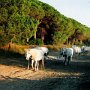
76	9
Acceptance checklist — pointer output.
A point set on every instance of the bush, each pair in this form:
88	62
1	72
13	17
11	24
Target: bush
36	42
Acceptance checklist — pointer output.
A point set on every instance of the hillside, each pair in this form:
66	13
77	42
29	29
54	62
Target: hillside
33	22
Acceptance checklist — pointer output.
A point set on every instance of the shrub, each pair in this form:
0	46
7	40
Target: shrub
36	42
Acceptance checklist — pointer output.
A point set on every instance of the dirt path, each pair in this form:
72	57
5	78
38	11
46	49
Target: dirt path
14	74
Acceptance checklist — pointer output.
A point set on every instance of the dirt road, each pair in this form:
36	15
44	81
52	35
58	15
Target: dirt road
14	74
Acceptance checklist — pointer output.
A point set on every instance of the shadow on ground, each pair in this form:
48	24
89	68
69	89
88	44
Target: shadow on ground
65	83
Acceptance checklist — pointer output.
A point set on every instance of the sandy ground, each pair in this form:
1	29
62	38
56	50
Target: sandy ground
14	74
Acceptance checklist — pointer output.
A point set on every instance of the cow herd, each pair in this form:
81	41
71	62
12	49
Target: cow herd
37	54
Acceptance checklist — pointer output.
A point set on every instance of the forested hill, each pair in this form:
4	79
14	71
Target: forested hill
34	22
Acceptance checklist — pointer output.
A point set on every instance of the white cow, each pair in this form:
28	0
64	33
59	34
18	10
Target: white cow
44	49
76	49
36	55
67	53
85	48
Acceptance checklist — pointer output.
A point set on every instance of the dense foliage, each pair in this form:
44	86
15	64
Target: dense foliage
34	22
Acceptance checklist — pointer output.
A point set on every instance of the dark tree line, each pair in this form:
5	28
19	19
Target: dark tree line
34	22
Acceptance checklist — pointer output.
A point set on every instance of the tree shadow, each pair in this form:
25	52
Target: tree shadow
76	66
63	83
11	58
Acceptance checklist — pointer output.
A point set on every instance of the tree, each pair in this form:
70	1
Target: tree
22	21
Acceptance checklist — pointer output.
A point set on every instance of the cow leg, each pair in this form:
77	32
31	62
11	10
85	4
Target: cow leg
43	63
69	59
36	65
28	64
32	63
65	62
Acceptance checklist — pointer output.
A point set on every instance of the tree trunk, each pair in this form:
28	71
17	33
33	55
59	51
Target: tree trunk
35	35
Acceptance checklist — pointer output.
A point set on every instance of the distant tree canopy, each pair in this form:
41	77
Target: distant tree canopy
34	22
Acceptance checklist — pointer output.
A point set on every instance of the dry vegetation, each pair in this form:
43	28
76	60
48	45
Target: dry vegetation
20	48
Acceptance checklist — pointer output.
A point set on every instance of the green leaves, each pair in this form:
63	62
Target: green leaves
37	22
36	11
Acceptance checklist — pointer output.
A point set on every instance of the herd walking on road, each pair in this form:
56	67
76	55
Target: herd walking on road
37	54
